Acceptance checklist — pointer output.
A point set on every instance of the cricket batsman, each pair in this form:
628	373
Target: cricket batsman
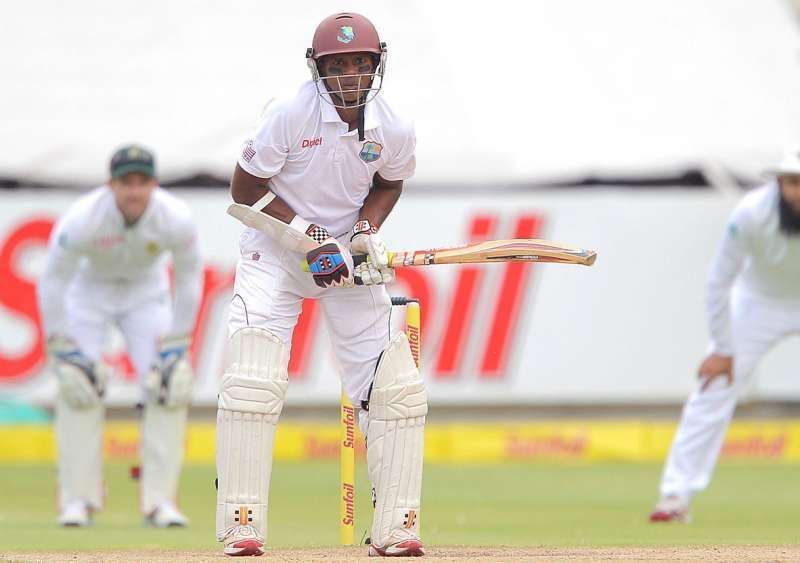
106	265
314	184
753	302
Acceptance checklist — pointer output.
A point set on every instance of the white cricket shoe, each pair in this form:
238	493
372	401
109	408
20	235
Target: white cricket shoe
167	515
243	539
75	514
401	544
671	509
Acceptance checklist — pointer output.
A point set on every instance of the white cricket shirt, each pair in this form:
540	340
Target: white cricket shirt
92	250
318	167
756	258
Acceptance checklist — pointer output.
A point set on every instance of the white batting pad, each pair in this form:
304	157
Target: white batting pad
397	408
79	434
163	434
250	401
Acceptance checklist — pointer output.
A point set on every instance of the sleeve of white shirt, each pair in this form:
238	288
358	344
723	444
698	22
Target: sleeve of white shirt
264	154
65	249
187	263
402	164
727	263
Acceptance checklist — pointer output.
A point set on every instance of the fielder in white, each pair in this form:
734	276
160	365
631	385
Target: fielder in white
753	302
314	184
106	265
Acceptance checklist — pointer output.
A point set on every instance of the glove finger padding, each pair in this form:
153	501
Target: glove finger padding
331	264
375	270
387	275
367	274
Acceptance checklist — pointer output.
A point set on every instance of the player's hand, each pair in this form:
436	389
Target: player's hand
80	382
366	240
169	381
330	263
715	366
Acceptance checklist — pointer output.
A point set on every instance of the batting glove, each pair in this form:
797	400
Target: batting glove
331	264
366	240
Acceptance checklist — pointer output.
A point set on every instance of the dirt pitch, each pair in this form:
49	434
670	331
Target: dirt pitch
683	553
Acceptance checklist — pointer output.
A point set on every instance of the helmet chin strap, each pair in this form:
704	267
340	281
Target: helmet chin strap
361	110
361	123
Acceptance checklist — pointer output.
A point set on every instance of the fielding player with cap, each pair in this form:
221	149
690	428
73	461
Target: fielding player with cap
753	302
314	183
106	265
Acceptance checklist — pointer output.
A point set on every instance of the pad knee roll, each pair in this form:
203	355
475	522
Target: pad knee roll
395	442
250	401
256	377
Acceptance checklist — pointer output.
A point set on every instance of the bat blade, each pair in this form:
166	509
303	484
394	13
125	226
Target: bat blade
507	250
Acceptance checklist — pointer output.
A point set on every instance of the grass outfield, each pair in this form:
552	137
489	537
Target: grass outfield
514	505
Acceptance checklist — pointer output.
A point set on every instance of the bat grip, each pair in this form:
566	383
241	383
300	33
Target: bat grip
357	259
361	258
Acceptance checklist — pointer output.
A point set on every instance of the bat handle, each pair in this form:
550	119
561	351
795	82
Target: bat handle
361	258
357	259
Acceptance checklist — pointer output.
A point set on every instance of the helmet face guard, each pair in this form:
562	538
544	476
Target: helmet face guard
340	34
333	84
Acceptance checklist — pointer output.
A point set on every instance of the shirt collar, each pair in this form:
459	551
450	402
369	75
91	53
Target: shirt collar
330	115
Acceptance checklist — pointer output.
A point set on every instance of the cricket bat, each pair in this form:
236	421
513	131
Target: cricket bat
506	250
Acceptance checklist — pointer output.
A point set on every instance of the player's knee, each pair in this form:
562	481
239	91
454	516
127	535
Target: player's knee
398	391
256	376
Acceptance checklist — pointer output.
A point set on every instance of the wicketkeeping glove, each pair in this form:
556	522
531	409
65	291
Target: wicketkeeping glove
169	382
81	382
330	263
366	240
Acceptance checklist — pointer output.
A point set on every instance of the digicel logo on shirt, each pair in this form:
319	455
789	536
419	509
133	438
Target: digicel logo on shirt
308	143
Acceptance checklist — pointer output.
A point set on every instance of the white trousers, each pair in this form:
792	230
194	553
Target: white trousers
92	310
268	294
756	325
92	313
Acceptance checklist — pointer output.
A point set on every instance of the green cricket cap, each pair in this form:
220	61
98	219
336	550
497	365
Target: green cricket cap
132	158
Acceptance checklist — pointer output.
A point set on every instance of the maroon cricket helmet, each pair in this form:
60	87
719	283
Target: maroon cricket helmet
345	33
341	33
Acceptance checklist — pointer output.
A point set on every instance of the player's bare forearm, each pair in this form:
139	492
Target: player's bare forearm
380	201
248	189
